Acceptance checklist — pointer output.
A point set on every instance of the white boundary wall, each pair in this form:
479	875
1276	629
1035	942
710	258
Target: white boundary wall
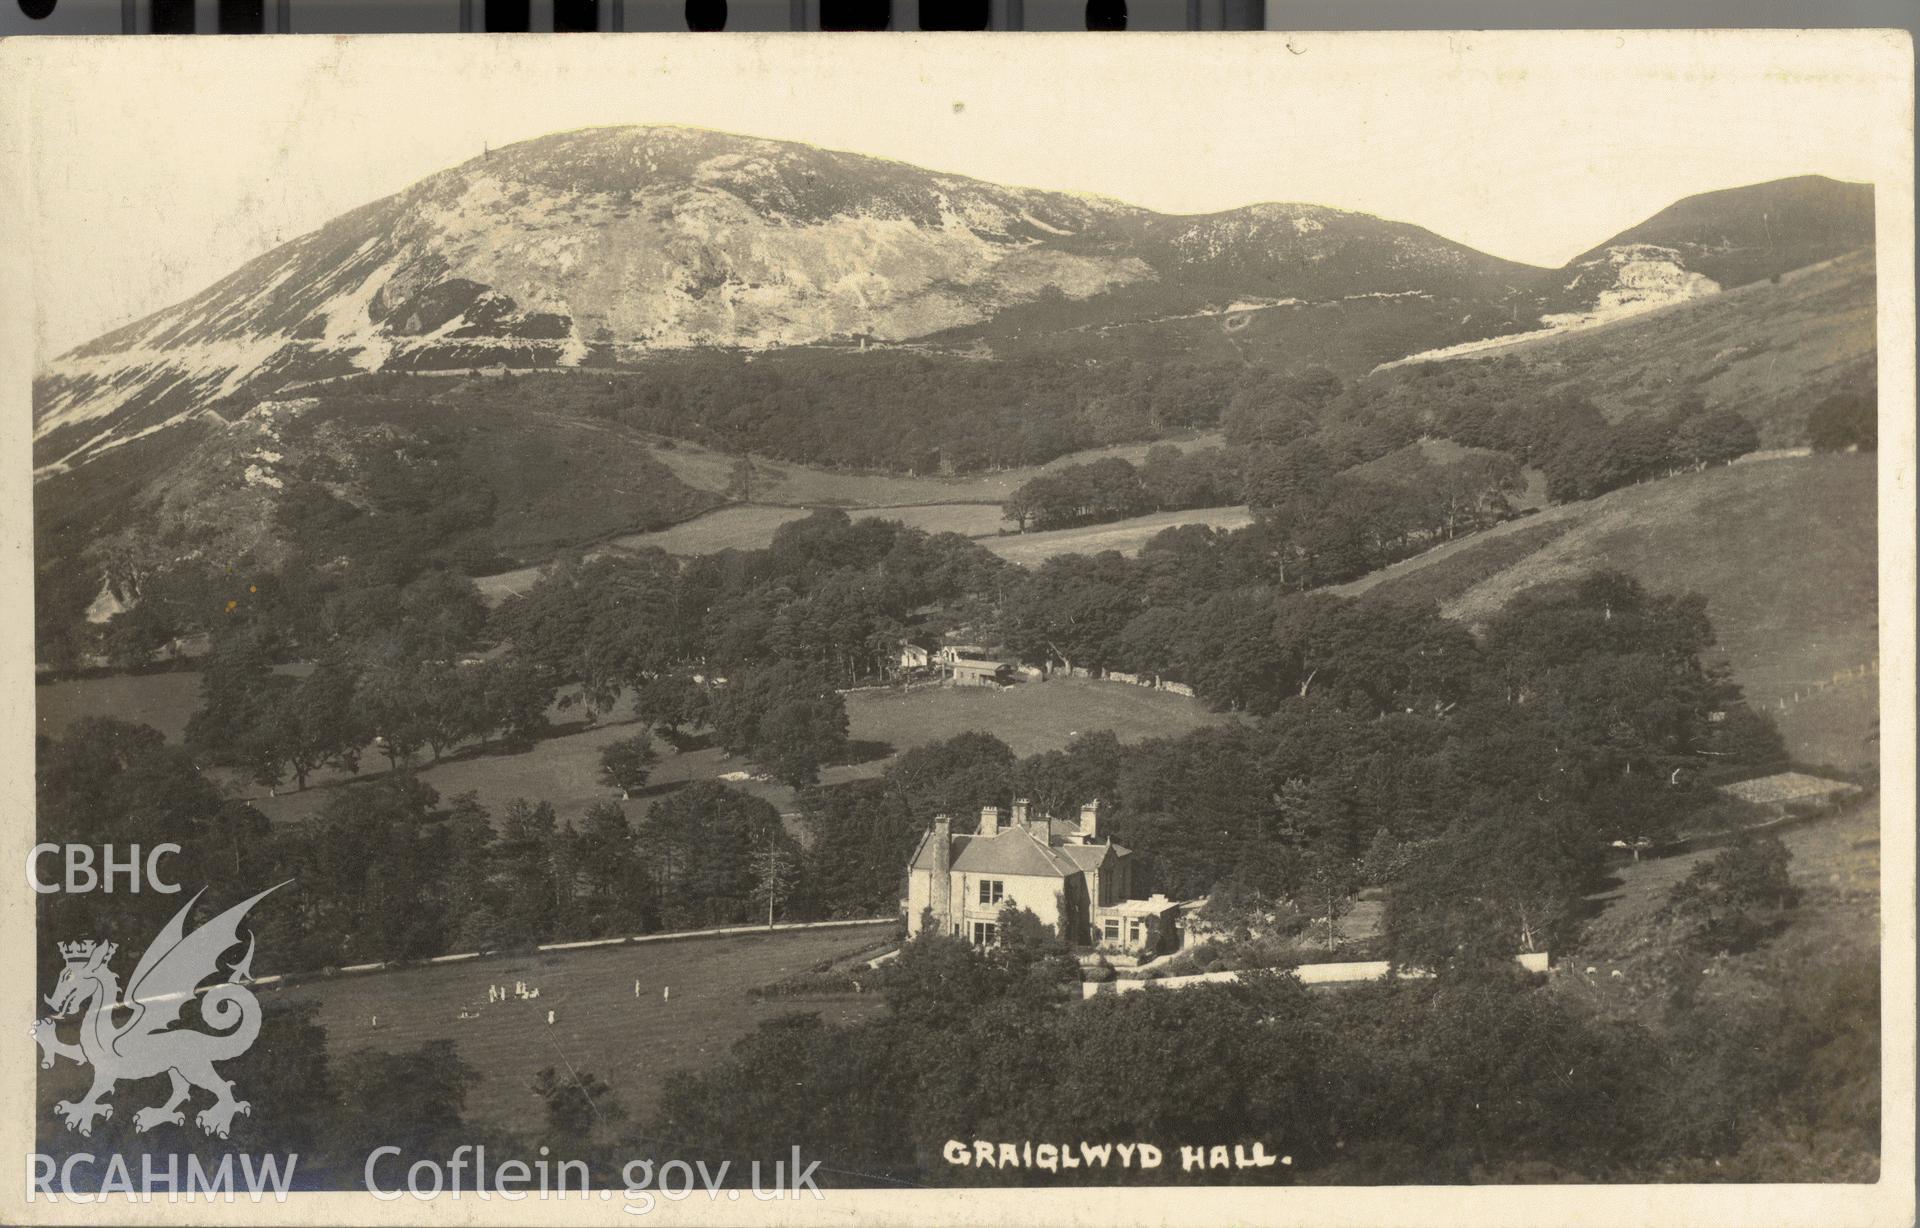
1309	974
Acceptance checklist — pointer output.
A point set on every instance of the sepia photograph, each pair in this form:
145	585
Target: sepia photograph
742	627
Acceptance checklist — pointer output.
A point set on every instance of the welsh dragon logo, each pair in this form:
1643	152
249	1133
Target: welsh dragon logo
141	1044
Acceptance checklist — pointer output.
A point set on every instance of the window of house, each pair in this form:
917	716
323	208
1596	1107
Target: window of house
1110	930
985	934
1135	932
991	889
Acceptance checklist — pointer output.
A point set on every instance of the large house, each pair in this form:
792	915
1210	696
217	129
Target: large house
1074	879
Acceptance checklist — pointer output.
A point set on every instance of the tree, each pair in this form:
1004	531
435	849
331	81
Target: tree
955	776
438	613
774	875
528	840
626	763
1327	890
1725	903
1487	890
312	724
1385	860
236	685
789	720
799	736
393	707
617	898
665	702
514	695
697	844
451	706
1842	421
575	1103
1714	438
1024	505
423	1094
1073	607
860	834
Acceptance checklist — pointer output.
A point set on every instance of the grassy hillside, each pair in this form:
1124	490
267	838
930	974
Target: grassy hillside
1820	969
1769	351
1783	550
1349	335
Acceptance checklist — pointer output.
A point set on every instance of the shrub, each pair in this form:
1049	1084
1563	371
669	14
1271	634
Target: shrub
1729	900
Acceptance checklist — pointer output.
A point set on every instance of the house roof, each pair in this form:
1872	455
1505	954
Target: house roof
1151	907
976	663
1016	850
1090	856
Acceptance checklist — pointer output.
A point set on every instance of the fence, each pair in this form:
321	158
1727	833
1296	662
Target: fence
1309	974
1807	690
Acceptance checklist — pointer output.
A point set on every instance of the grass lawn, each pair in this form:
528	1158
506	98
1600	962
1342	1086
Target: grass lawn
599	1026
1031	717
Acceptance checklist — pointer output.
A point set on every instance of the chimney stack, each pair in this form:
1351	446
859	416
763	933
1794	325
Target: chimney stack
1019	810
942	893
989	820
1090	819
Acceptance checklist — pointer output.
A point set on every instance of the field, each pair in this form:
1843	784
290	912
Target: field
162	700
1126	536
600	1026
804	486
1031	718
751	526
1783	550
564	769
969	506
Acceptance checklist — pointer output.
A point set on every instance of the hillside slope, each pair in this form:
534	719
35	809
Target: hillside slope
1769	351
1783	550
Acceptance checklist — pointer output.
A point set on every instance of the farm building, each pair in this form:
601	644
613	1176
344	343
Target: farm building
1076	881
967	671
913	656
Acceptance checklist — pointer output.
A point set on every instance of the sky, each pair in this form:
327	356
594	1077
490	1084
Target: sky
1534	147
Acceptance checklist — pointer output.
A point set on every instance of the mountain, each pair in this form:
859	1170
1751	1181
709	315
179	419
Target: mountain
597	247
339	402
1719	240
